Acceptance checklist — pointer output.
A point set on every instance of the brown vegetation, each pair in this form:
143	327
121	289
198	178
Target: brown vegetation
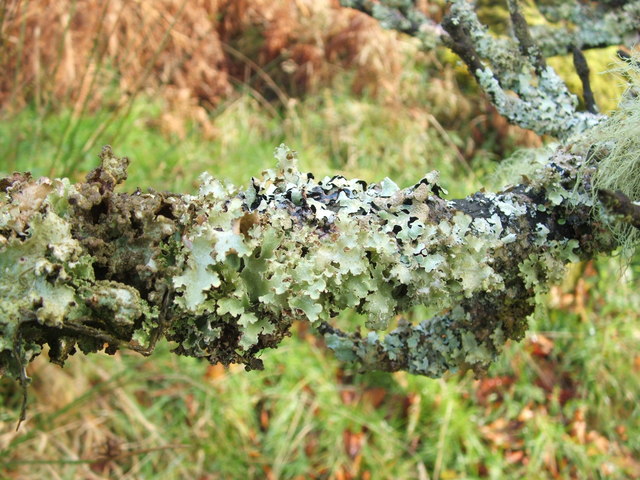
72	52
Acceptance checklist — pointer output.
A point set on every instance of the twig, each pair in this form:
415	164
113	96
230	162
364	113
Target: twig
528	47
618	203
582	69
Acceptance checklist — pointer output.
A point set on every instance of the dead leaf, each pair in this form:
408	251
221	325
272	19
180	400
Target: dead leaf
215	372
600	442
503	433
514	456
353	442
348	395
492	389
579	426
243	224
374	396
539	345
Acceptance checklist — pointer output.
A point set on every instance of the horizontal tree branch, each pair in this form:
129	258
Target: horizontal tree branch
224	273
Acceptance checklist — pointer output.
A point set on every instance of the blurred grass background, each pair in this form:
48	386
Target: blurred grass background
182	87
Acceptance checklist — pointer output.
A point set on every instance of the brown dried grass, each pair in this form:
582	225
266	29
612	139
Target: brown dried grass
78	53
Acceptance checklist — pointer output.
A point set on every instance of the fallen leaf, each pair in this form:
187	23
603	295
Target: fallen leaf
374	396
492	389
539	345
600	442
353	442
514	456
579	426
215	372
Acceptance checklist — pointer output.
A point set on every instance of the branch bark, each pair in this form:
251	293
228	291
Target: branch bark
507	65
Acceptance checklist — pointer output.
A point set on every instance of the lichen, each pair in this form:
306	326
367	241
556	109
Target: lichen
310	249
224	273
510	66
48	278
543	103
615	148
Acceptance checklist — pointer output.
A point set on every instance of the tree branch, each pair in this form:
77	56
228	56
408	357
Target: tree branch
225	272
503	66
582	69
620	204
586	25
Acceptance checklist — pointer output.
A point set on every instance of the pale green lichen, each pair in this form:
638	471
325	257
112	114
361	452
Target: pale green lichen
330	245
308	249
224	273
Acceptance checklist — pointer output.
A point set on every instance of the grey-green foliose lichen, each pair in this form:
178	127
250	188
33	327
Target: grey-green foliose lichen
543	102
225	272
511	69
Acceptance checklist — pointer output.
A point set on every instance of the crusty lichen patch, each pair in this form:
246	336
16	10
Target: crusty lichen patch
49	292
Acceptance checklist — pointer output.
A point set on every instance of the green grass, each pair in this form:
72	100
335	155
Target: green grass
563	404
172	420
334	133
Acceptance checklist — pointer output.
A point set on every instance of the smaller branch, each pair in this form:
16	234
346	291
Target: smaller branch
507	66
582	69
594	25
462	45
402	18
619	204
18	352
503	66
626	56
528	47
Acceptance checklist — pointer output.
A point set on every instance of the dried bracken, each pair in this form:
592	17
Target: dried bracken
90	53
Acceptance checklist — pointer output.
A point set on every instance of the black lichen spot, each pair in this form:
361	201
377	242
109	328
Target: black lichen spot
97	211
100	271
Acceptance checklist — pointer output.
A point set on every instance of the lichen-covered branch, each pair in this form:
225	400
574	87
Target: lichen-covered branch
402	16
567	24
224	273
516	64
586	25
